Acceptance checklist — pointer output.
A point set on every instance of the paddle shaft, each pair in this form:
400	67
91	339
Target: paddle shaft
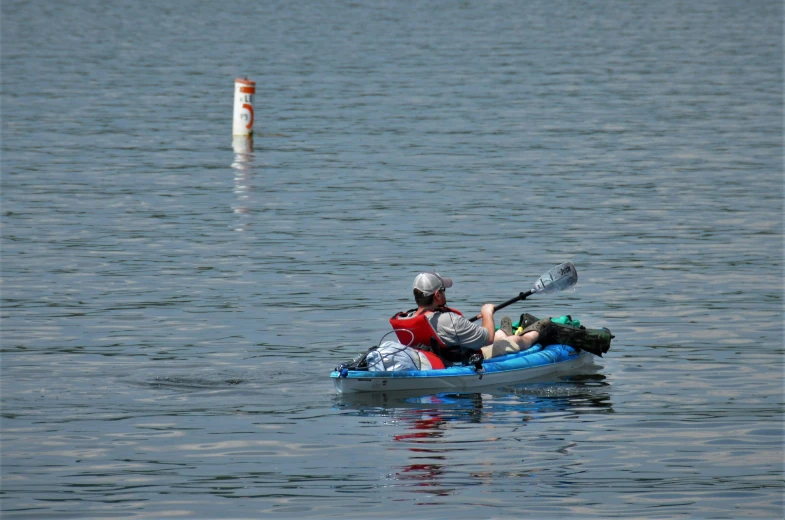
521	296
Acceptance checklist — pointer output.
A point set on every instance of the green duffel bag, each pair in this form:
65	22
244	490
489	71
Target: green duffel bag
565	330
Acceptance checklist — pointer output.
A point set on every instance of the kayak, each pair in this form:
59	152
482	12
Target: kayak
535	362
394	367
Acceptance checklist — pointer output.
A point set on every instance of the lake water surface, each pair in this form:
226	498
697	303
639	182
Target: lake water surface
174	300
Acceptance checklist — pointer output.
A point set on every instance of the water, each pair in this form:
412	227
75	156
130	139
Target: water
173	303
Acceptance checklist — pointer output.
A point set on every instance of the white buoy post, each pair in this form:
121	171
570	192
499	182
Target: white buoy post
244	91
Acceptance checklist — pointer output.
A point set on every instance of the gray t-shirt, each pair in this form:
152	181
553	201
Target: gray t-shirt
454	329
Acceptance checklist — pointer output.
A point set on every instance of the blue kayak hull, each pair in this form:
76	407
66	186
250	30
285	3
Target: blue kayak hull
533	363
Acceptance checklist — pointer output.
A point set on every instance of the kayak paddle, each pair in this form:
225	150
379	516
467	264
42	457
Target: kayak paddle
561	277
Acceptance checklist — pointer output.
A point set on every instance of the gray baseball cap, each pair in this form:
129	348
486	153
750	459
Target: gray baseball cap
429	283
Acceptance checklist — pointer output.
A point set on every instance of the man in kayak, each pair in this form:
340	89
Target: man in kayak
436	327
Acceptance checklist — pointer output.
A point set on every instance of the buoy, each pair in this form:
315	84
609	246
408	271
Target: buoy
244	91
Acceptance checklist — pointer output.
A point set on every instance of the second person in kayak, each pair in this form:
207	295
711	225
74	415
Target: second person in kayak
434	326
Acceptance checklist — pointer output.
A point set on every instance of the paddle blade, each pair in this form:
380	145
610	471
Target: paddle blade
561	277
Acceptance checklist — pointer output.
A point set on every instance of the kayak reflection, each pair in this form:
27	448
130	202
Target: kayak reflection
439	432
587	392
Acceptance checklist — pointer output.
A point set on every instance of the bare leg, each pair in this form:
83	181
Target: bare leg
500	348
524	342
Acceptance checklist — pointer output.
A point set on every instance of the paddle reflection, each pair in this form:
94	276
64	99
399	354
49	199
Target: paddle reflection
435	430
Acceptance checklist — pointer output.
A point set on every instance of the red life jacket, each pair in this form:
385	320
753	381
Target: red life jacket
416	331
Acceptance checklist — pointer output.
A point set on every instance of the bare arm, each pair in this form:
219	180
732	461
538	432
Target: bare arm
487	321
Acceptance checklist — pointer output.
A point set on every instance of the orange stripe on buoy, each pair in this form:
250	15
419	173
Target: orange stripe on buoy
249	108
248	90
